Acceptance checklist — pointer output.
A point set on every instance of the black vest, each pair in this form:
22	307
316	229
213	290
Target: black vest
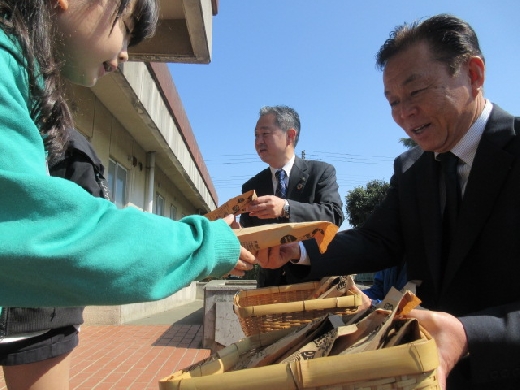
79	164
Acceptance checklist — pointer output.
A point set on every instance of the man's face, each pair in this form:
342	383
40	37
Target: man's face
271	142
432	106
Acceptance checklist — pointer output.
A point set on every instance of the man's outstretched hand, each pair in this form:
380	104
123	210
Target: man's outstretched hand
277	256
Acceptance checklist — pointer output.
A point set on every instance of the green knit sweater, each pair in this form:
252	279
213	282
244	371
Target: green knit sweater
60	246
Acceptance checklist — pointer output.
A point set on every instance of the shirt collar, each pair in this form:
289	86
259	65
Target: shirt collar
466	148
287	167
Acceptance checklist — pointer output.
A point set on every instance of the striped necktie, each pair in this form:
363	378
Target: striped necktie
281	187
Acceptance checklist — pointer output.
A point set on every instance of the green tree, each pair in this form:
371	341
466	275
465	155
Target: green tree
361	201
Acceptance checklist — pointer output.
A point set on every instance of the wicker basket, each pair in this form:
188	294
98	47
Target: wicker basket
272	308
405	367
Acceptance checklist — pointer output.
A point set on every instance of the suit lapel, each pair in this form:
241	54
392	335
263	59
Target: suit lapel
298	179
264	184
489	172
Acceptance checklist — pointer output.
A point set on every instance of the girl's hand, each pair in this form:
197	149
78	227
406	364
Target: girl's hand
245	263
246	259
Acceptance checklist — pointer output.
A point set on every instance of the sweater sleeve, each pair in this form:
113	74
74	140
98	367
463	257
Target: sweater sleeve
63	247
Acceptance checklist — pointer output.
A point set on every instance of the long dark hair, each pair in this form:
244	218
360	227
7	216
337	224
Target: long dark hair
29	22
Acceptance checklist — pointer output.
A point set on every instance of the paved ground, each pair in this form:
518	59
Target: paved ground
136	355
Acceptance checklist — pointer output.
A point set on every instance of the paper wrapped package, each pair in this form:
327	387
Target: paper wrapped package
233	206
267	236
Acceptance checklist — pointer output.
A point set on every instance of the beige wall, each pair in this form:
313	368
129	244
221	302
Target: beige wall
112	141
172	195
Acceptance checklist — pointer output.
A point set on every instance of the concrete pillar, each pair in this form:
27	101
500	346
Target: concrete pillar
150	182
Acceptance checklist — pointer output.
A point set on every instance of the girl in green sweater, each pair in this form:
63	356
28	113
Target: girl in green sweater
59	245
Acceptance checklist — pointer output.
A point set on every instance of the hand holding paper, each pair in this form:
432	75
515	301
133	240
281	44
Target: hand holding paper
246	259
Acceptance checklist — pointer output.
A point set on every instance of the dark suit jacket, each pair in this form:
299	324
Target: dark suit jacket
480	285
313	195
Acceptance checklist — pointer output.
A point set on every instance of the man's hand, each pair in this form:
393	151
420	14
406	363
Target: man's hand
277	256
449	335
265	207
246	259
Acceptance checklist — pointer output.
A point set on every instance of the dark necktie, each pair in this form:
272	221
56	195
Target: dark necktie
451	209
281	187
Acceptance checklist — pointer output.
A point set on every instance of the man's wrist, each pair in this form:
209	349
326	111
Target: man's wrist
304	258
286	210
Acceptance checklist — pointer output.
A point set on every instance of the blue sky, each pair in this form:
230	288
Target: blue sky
318	56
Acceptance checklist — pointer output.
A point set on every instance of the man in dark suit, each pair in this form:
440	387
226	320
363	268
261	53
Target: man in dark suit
433	75
308	191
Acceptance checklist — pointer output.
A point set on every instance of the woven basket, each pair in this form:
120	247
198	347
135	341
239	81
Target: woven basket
272	308
405	367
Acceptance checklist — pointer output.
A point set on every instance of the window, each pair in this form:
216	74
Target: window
173	212
117	177
159	205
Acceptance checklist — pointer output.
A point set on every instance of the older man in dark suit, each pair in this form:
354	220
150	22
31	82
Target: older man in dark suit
290	189
461	245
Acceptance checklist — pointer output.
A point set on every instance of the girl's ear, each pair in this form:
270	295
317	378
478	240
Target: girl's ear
63	4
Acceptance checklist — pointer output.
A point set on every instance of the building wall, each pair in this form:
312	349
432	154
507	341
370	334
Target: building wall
172	196
175	174
112	141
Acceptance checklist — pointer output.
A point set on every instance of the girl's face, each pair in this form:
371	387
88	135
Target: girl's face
91	44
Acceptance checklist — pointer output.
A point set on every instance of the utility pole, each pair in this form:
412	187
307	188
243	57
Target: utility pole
303	154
